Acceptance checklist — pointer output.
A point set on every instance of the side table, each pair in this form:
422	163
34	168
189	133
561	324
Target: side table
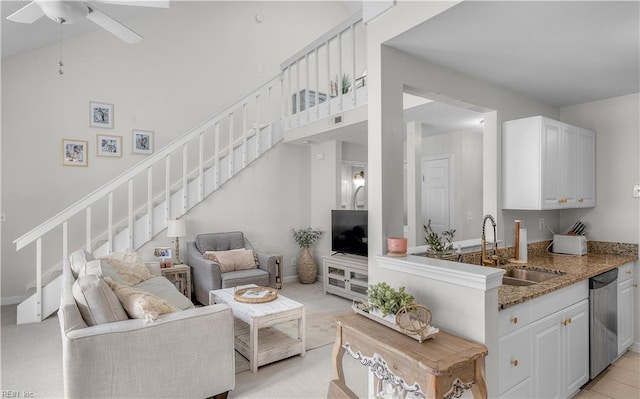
180	276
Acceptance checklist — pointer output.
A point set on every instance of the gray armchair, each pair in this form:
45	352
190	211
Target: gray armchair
206	273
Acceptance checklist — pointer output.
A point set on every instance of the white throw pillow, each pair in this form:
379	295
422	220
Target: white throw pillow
129	266
140	304
77	261
101	269
235	259
96	301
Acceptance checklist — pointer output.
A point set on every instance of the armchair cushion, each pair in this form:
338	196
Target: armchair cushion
129	265
219	241
96	301
236	259
140	304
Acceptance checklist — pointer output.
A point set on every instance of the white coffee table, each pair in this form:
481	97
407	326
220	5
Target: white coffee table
273	344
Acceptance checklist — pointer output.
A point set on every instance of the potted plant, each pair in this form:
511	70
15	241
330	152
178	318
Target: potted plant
307	268
385	301
439	245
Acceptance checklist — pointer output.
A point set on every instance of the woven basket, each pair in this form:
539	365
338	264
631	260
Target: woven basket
307	269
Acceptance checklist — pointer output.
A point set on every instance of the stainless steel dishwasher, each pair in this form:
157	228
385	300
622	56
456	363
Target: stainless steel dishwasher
603	321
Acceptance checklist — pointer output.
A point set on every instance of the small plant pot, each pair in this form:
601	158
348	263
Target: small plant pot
397	246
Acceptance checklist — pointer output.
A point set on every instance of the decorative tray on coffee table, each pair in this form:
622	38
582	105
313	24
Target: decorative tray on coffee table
256	295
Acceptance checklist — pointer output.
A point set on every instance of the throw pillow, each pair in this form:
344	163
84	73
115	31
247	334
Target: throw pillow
129	266
96	301
77	261
140	304
101	269
239	259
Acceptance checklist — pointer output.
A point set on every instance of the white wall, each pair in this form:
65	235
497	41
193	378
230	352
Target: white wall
617	126
196	59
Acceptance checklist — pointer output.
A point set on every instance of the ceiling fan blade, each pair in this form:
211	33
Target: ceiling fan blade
111	25
138	3
27	14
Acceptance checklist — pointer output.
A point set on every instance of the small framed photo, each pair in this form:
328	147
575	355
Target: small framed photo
74	152
142	142
108	146
101	115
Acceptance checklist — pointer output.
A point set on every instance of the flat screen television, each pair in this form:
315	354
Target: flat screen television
349	232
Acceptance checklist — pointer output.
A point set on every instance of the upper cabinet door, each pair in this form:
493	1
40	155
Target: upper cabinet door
547	164
586	195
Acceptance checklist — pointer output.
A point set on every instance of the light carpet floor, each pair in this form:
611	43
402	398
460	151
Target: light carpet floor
31	355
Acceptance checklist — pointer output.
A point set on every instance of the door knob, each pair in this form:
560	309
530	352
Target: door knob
514	362
514	320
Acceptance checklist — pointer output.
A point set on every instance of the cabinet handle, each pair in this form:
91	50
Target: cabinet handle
563	322
569	321
628	271
635	285
514	320
581	200
514	362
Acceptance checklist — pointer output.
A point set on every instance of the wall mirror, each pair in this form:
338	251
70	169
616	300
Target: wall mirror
443	166
353	185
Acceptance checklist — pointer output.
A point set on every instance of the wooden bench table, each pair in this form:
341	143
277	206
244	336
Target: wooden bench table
441	367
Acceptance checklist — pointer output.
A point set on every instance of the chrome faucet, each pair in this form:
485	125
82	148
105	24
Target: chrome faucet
493	259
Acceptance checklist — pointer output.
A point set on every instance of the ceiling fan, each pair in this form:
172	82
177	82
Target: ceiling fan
66	12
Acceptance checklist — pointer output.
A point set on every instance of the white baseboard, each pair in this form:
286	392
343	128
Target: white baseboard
635	347
294	279
12	300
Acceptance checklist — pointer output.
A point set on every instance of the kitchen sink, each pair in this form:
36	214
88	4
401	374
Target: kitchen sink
526	277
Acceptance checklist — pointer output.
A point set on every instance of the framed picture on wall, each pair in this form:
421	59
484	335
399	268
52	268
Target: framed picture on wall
108	146
101	115
74	152
142	142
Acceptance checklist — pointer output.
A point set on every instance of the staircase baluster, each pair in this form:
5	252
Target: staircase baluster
65	240
231	171
340	72
306	91
130	214
167	191
88	230
150	202
216	156
244	135
298	100
317	83
270	124
201	167
353	77
39	278
290	110
185	182
329	76
109	223
283	99
258	141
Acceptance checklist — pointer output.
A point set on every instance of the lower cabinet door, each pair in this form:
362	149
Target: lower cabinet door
520	391
546	373
576	347
625	315
515	359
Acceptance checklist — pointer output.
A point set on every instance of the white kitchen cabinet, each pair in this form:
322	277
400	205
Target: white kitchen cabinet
543	348
547	164
625	307
346	276
560	352
586	169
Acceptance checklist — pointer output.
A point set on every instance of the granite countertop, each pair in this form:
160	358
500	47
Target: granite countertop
576	268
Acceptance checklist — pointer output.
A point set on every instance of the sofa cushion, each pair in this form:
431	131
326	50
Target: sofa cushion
129	266
238	259
96	301
140	304
101	269
243	277
164	289
77	261
219	241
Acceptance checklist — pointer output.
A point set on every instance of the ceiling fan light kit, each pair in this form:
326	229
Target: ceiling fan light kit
66	12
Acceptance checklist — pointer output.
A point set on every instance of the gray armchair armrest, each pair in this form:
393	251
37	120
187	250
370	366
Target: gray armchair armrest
272	263
204	272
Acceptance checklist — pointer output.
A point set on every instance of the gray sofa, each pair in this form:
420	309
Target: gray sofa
206	274
185	354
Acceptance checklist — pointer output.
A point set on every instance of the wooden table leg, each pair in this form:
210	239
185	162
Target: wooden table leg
301	332
253	345
479	389
338	354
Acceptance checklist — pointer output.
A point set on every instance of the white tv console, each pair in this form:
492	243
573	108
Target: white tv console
346	275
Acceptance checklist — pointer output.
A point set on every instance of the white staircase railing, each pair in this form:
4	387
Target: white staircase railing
133	207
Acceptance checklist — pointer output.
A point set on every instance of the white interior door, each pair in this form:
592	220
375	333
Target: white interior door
436	193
